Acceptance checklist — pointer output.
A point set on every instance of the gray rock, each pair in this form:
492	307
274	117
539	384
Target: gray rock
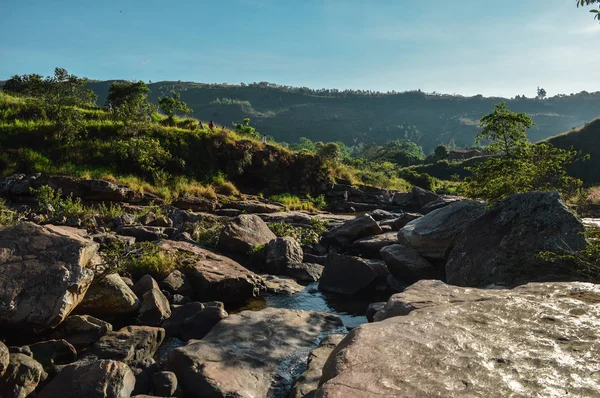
244	353
194	320
215	277
143	285
142	233
177	283
288	217
162	221
53	352
4	358
406	263
281	285
371	245
42	274
500	246
130	344
281	252
244	233
373	309
124	219
402	198
254	206
82	330
155	308
165	384
314	259
352	230
532	341
351	275
22	376
306	272
98	379
433	235
399	222
109	296
422	197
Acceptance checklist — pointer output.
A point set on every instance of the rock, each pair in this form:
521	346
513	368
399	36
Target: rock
421	197
108	239
162	221
243	355
4	358
147	218
351	275
352	230
22	376
215	277
98	379
404	219
25	350
305	272
436	204
281	285
532	341
406	263
254	206
314	259
373	309
177	283
195	204
53	352
380	215
130	344
371	245
143	285
281	252
228	212
179	299
500	245
288	217
402	199
142	233
433	235
42	274
165	384
155	308
194	320
244	233
143	381
125	219
307	384
109	296
73	222
82	330
184	237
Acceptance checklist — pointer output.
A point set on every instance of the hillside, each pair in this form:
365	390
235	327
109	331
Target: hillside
287	113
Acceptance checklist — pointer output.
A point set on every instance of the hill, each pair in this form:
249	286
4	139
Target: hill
288	113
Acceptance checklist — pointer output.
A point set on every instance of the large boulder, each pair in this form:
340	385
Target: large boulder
433	235
22	376
177	283
406	263
537	340
131	344
53	352
306	272
280	253
43	274
109	296
195	204
243	234
98	379
351	275
82	330
421	197
282	285
214	277
371	245
499	247
194	320
352	230
155	308
245	355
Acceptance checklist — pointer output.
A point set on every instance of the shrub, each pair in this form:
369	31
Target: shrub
111	210
207	231
137	260
57	207
7	216
308	235
422	180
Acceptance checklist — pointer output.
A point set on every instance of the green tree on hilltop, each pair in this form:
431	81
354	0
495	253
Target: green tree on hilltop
172	105
128	101
504	130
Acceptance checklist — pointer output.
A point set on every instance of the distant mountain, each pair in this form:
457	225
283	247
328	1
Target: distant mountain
288	113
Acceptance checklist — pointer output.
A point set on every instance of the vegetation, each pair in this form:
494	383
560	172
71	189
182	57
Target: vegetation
306	235
207	231
596	12
137	260
292	202
7	216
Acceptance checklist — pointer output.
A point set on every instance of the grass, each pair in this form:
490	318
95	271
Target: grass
292	202
593	195
309	235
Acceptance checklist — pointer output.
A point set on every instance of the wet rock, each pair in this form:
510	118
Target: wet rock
242	355
4	358
42	274
433	235
406	263
500	245
352	230
308	382
351	275
53	352
305	272
155	308
371	245
281	252
130	344
177	283
244	233
109	296
465	341
281	285
215	277
22	376
82	330
165	384
142	233
98	379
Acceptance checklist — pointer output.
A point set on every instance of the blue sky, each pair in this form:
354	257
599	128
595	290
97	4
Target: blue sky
467	47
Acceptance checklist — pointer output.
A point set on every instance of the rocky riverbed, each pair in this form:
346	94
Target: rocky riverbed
425	296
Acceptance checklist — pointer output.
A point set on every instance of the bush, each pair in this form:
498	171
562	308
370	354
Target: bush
57	207
422	180
292	202
137	260
307	236
207	231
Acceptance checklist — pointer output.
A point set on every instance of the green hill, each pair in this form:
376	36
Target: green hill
288	113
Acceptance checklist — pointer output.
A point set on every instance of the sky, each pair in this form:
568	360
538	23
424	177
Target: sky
494	48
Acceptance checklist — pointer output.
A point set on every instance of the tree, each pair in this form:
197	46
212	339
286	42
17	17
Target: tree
587	3
244	128
518	165
401	152
441	152
330	152
173	104
30	85
504	130
129	103
541	93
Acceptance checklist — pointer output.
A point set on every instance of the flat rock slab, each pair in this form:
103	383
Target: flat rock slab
537	340
243	355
